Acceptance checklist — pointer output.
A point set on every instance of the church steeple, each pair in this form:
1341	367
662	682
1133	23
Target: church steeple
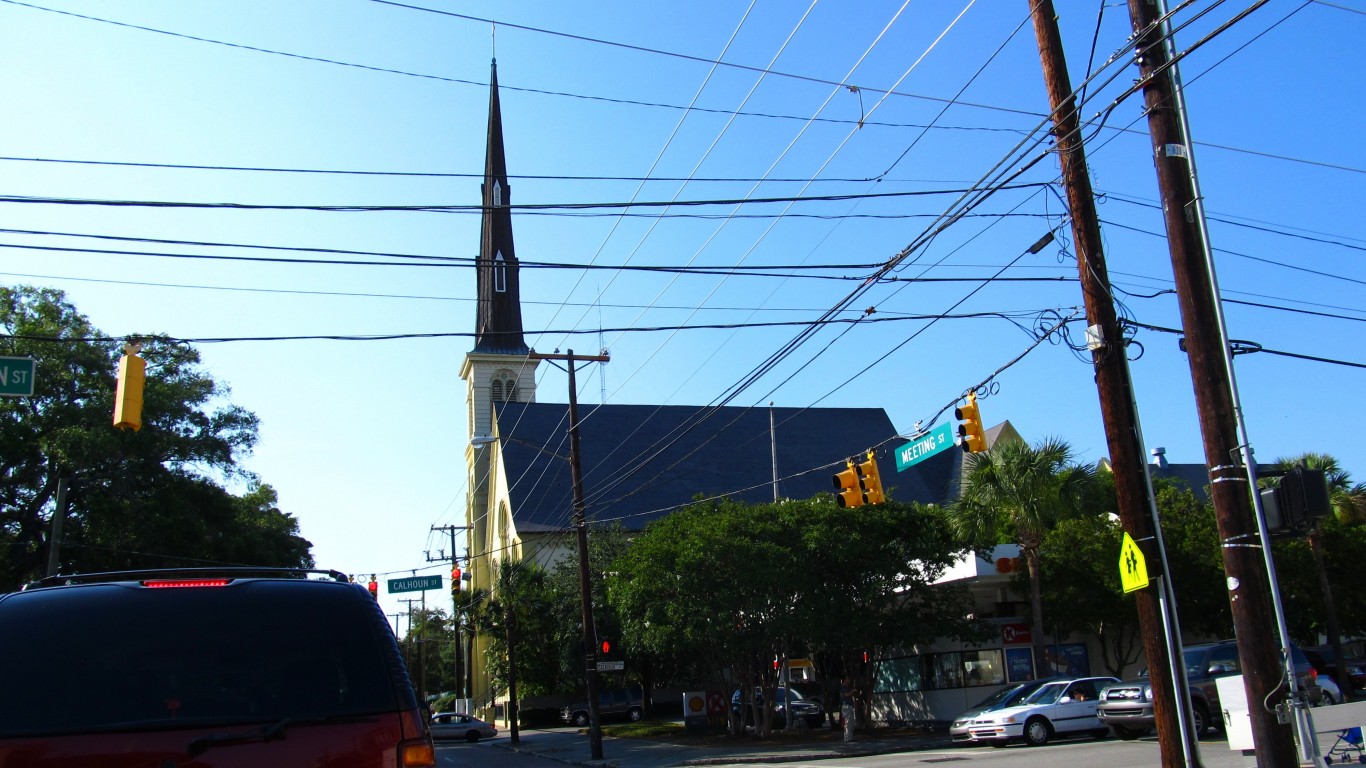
499	316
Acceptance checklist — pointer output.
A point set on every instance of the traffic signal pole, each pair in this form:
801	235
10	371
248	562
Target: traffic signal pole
590	642
1133	493
1244	542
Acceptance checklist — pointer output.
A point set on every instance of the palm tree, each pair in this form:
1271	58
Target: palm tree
1018	492
1348	502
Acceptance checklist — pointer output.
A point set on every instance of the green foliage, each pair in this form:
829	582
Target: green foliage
738	585
135	499
1017	493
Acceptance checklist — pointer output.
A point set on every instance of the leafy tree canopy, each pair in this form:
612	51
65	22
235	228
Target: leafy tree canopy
151	498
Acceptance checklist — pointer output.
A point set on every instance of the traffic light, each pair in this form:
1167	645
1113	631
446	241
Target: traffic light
128	391
848	493
373	586
971	437
606	647
870	481
455	581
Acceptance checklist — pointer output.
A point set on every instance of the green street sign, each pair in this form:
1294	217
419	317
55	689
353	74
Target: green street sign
925	446
16	376
414	584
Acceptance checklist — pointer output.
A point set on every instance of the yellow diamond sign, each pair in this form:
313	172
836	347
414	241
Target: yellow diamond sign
1133	569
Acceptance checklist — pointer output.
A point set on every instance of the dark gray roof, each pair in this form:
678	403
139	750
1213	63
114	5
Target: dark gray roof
1194	476
641	462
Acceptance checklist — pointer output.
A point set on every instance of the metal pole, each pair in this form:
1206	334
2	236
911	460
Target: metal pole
1303	720
54	559
773	448
1253	595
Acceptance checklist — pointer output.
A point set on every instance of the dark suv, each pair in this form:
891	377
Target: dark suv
1127	707
210	667
613	704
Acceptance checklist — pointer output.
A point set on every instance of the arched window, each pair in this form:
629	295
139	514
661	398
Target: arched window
503	387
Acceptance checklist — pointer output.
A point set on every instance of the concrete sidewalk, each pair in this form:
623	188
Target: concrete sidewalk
572	748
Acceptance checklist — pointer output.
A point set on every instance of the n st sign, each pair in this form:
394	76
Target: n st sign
16	376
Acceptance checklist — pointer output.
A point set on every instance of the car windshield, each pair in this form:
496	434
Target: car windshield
1047	694
1003	697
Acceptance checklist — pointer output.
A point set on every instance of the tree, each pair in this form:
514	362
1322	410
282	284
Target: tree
1081	589
738	586
1020	491
134	499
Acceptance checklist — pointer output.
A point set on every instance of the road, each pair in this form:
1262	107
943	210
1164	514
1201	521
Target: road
1110	753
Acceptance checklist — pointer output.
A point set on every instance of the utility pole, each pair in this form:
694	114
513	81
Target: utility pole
1243	540
1118	404
590	640
421	678
456	611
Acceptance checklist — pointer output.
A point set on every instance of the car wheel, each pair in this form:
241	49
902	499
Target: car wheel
1129	734
580	719
472	736
1037	732
1201	720
1326	700
634	714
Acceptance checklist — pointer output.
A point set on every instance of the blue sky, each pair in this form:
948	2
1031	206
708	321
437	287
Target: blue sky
364	440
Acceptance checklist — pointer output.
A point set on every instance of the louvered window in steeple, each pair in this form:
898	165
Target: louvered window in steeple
500	273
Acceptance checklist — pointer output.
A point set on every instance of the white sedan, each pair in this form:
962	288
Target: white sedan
1061	707
458	725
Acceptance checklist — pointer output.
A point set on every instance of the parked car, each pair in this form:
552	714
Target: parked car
1128	707
1322	659
808	710
458	725
1332	694
613	704
1008	696
1057	708
214	667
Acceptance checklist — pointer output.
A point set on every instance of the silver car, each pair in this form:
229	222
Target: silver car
458	725
1006	697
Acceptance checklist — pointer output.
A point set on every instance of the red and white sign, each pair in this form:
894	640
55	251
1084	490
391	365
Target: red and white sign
1016	634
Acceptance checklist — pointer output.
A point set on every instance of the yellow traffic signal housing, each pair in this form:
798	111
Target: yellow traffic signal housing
870	480
972	438
848	492
128	392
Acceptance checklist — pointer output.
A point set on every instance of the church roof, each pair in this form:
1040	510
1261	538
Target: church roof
641	462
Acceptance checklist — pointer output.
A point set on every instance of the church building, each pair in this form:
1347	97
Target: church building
640	462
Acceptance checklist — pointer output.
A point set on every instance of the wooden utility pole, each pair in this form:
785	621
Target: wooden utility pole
590	640
1114	385
1230	465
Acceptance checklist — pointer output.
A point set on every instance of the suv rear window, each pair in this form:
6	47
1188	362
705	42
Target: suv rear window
117	656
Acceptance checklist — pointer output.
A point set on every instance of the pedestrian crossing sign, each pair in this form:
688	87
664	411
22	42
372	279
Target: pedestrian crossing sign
1133	569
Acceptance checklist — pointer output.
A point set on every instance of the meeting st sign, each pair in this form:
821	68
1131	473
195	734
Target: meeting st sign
926	445
16	376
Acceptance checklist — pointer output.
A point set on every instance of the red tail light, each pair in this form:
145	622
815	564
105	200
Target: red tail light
176	583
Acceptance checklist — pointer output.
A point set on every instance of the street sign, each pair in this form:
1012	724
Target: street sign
611	666
16	376
1133	569
414	584
925	446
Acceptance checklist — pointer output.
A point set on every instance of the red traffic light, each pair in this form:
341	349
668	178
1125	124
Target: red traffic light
455	579
606	646
373	586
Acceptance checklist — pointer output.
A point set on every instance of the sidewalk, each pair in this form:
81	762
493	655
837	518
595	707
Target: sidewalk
572	747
